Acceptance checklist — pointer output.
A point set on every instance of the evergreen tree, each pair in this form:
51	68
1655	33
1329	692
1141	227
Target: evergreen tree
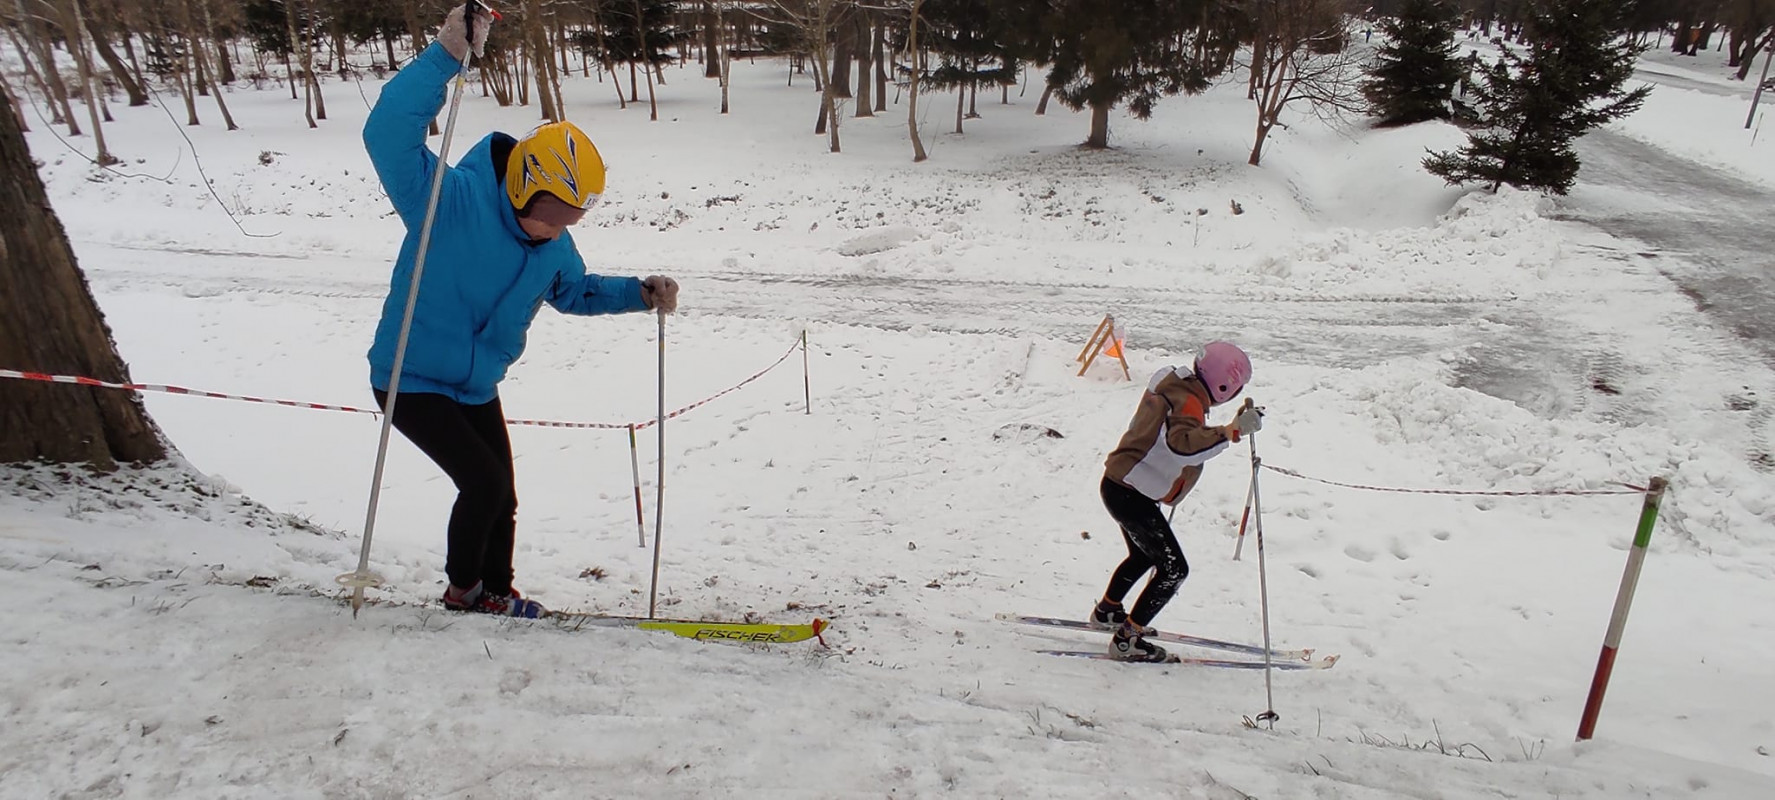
1415	71
1533	107
1105	53
969	38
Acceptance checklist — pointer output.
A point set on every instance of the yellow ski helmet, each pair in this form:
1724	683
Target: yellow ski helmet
557	159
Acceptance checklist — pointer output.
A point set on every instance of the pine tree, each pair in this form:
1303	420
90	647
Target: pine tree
1415	71
969	39
1533	107
1105	53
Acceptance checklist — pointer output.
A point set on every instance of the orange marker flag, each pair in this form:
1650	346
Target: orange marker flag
1114	350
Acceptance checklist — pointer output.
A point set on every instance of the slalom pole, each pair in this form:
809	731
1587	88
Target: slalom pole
1263	583
659	489
362	578
635	469
1611	642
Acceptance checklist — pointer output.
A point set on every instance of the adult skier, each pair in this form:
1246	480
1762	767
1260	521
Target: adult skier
499	249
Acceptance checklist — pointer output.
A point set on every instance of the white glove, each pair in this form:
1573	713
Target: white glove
454	37
660	293
1249	420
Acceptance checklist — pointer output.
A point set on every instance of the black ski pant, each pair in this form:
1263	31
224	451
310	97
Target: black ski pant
471	445
1151	546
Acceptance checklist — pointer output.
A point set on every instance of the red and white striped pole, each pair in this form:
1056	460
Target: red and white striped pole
1611	642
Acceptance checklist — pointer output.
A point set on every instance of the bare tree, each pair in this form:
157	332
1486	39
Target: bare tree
1305	58
918	153
813	21
119	71
300	44
865	64
724	51
50	323
74	24
542	61
52	77
17	106
194	38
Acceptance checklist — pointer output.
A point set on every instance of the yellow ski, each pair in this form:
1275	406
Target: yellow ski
751	632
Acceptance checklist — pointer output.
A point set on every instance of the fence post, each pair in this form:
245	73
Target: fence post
1636	558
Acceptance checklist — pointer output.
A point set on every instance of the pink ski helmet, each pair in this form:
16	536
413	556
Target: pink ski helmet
1224	369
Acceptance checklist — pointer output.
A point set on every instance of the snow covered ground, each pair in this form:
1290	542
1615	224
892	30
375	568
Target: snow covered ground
181	636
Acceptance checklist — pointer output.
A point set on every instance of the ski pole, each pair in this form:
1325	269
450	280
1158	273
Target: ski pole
635	469
659	489
1245	517
362	578
1263	583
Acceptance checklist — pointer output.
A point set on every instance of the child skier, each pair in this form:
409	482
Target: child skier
499	250
1158	461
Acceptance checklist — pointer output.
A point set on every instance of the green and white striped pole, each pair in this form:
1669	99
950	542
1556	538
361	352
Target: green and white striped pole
1611	642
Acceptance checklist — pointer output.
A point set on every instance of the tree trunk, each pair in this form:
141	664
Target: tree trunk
31	74
724	50
711	41
226	69
865	67
542	60
46	65
120	71
1257	65
290	72
50	323
1753	45
961	101
1041	106
320	100
918	153
18	107
297	44
828	96
652	102
197	53
881	66
135	65
77	46
843	50
1099	127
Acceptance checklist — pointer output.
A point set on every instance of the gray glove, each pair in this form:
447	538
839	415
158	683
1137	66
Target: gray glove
1249	420
660	293
454	35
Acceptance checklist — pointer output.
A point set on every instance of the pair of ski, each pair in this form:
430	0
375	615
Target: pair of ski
1279	659
741	632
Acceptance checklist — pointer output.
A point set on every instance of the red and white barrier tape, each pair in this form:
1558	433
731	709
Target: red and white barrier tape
671	415
154	387
1630	488
164	389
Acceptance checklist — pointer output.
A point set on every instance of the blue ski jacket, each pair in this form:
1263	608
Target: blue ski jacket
484	279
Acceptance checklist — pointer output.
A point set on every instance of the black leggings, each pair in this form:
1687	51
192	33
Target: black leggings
1150	544
470	443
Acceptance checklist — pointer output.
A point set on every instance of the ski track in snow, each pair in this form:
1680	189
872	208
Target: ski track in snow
184	640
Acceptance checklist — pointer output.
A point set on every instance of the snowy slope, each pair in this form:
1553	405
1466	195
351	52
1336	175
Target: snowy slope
183	639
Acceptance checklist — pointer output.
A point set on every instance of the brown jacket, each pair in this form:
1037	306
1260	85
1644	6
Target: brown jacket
1162	453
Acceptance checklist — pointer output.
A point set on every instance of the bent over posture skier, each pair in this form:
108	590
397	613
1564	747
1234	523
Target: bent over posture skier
1158	461
499	249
